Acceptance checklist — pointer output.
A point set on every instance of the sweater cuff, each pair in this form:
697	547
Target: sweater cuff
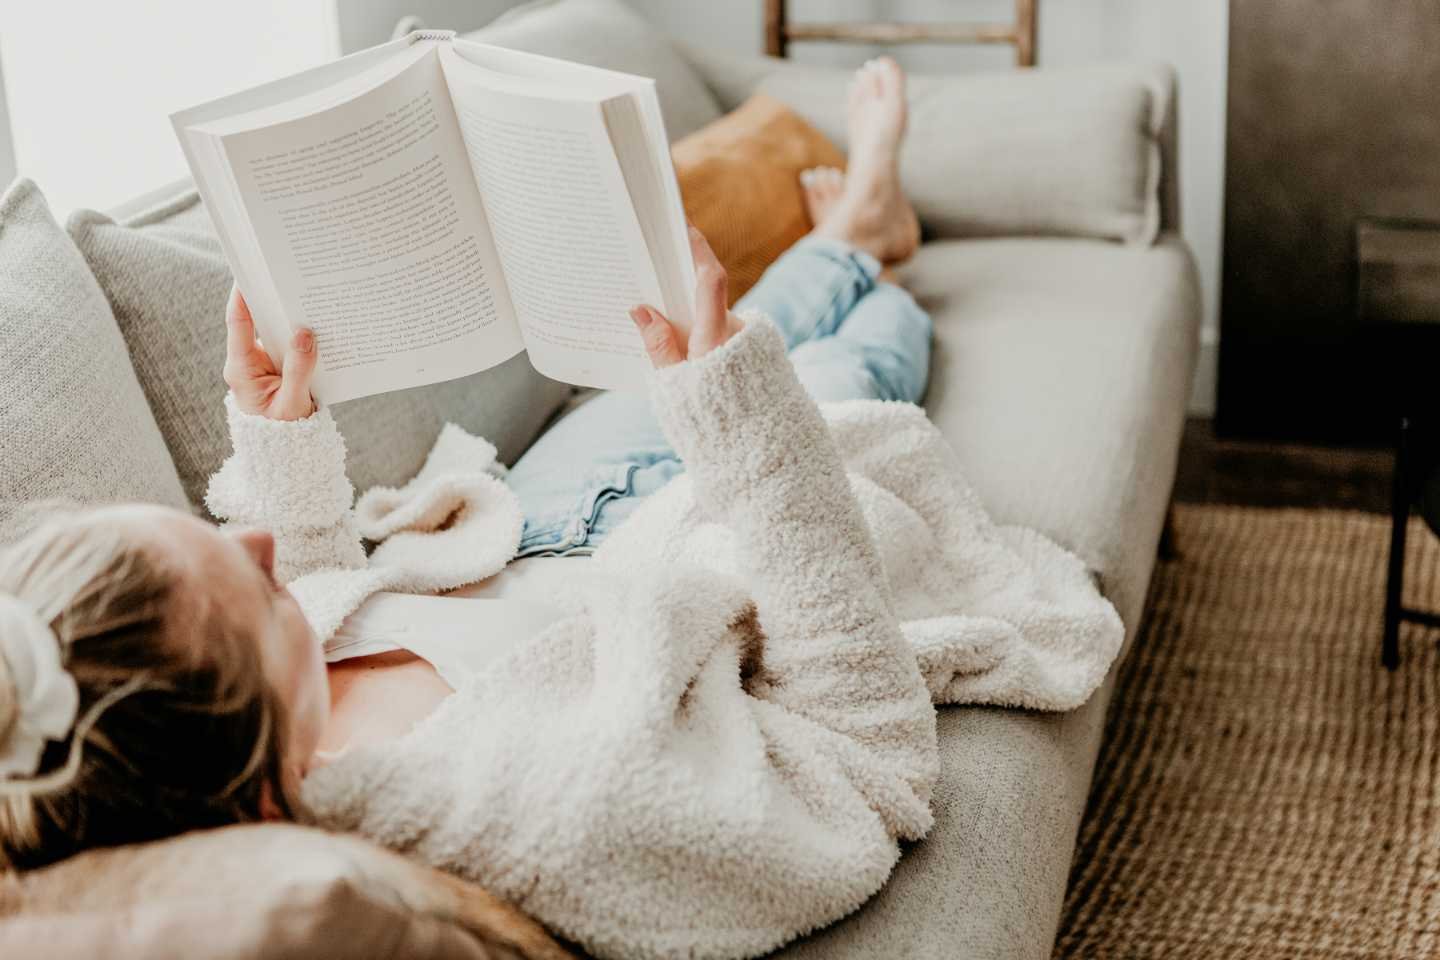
703	404
283	473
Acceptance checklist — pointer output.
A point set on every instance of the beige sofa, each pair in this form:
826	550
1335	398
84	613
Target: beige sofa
1066	311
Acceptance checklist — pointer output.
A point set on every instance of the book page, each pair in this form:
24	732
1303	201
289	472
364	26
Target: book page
638	132
574	255
375	237
198	129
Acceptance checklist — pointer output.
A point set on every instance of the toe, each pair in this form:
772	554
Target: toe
810	181
878	77
889	76
893	75
864	83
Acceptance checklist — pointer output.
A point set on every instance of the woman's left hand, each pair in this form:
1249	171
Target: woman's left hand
714	323
259	385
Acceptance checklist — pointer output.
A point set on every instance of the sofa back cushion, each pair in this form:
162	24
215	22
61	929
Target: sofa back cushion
609	34
1060	152
73	421
167	282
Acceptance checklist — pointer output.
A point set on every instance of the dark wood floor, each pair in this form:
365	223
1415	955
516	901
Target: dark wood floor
1247	473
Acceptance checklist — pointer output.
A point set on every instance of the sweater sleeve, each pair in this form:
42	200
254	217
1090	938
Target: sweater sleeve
763	464
288	477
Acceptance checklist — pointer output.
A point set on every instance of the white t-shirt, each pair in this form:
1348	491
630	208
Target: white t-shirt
463	631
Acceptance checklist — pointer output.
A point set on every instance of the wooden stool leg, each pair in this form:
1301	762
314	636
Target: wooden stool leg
1169	548
1399	522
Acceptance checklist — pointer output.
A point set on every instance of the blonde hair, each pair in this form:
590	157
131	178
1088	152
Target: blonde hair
177	728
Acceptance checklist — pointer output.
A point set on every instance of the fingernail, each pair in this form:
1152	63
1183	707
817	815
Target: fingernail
304	341
639	316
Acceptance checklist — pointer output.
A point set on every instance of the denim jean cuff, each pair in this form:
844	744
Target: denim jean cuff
841	251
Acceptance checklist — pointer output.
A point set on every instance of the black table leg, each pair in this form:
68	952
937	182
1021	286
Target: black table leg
1399	521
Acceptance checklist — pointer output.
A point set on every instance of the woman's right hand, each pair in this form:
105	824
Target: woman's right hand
714	323
258	385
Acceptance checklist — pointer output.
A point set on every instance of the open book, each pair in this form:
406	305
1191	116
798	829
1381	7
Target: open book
432	206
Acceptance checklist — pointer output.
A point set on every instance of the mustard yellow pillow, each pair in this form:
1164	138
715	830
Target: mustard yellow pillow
739	177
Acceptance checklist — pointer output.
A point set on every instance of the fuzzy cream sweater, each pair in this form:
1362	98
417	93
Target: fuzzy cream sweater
723	745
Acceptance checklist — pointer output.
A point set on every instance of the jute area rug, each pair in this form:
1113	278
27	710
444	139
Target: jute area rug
1266	788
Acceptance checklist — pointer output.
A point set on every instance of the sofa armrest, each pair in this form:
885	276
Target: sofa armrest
1168	140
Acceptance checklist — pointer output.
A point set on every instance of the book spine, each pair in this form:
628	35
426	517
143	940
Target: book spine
415	36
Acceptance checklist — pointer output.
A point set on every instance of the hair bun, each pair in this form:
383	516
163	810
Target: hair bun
38	697
9	702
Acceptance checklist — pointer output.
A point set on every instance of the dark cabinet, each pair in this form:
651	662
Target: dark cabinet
1334	120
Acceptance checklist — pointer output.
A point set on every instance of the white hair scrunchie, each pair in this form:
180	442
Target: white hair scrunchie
46	698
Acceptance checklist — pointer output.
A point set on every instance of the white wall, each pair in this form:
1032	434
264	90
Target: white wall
1191	34
7	149
90	84
87	118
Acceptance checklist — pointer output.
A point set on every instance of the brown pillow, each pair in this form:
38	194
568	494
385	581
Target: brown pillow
739	177
277	891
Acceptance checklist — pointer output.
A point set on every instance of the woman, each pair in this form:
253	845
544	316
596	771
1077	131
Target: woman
714	749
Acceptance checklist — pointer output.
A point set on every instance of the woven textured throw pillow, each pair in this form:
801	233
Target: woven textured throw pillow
74	424
739	177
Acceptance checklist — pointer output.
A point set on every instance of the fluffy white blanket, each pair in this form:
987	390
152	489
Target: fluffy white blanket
994	614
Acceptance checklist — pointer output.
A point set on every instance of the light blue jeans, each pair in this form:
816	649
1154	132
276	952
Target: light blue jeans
849	336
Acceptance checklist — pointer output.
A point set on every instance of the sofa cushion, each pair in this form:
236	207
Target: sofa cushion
609	34
72	416
1060	375
740	177
1064	152
167	281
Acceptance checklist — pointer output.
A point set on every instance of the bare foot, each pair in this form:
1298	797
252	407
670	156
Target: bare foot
823	187
877	113
872	212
